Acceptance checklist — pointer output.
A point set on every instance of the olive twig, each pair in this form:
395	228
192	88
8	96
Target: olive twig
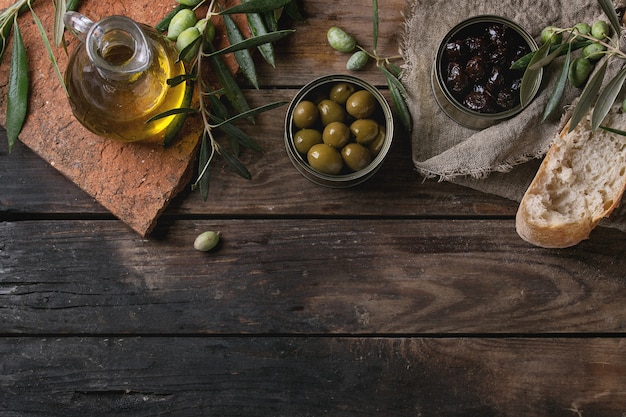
342	41
194	41
597	96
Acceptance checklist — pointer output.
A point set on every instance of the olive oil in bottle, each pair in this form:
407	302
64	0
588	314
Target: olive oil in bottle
117	79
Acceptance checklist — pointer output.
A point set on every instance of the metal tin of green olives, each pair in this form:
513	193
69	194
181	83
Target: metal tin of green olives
470	76
324	88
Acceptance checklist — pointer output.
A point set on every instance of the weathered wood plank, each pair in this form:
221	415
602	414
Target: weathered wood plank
306	276
239	376
28	185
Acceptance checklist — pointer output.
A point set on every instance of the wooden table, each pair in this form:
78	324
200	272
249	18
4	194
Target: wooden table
399	297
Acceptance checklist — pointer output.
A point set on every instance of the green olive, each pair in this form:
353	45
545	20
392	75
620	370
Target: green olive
304	139
378	142
356	156
551	34
339	40
192	3
186	38
305	114
336	134
361	104
357	61
206	241
593	52
325	159
579	71
182	20
331	111
364	130
583	29
340	92
600	30
208	28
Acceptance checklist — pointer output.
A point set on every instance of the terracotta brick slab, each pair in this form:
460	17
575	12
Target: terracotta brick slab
133	181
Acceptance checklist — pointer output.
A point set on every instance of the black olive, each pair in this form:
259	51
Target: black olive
456	78
515	84
480	102
500	35
455	50
499	56
496	79
476	68
476	45
507	99
479	88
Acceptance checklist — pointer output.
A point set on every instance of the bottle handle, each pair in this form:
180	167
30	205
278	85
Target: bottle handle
78	24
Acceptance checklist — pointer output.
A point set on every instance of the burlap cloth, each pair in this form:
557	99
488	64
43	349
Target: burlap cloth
504	158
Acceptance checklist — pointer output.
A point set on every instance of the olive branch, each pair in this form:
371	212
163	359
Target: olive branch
221	107
593	94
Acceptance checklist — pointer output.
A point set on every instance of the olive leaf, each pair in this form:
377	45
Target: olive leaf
46	42
522	63
607	98
172	112
253	112
613	130
232	91
399	95
72	5
553	53
293	11
7	19
258	27
179	79
243	56
375	20
235	164
252	42
559	87
588	96
531	75
204	177
17	95
176	125
255	6
60	8
4	36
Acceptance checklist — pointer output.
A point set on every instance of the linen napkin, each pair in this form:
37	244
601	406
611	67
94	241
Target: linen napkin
504	158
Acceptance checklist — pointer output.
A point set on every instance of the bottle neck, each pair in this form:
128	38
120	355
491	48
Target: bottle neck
118	48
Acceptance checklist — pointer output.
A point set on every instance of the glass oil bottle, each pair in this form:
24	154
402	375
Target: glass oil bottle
117	78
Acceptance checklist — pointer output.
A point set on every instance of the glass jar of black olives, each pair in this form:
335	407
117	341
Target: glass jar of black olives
472	80
338	130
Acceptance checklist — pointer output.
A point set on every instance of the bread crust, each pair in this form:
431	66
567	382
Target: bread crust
561	231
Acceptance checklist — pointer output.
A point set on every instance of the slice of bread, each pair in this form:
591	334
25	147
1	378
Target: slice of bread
580	181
